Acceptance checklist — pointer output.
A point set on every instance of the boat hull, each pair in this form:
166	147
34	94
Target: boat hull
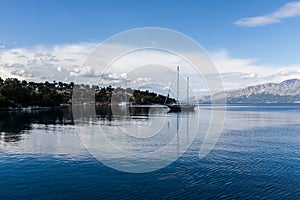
174	108
181	107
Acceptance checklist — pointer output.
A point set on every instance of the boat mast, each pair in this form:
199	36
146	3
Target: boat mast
187	89
125	92
177	84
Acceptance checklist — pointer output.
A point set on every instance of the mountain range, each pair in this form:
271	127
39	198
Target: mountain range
287	91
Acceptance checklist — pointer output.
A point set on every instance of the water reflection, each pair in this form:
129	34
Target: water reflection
144	121
135	138
107	112
15	123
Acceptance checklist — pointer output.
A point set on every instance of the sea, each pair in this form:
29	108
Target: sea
242	151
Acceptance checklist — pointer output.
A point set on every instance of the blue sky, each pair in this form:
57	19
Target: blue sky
264	33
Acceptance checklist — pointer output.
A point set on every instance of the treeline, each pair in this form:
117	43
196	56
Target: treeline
147	97
16	93
140	97
107	94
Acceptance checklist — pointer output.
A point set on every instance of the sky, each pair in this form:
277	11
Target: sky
250	42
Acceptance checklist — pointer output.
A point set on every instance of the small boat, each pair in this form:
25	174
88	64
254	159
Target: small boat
181	107
178	107
123	103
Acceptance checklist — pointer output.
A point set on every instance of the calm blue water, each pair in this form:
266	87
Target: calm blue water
256	157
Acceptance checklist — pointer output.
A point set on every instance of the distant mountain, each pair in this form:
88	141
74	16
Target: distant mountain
285	92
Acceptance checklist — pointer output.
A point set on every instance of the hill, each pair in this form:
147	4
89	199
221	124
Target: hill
287	91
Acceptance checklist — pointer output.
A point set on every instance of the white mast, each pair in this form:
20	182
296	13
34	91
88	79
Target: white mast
187	89
125	92
177	84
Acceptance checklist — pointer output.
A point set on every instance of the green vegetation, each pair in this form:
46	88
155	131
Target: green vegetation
146	97
105	94
15	93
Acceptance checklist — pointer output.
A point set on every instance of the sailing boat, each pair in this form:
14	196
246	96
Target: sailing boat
178	107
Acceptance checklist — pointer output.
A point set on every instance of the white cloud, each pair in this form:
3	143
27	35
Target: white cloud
257	21
240	72
42	63
63	63
291	9
84	71
59	68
